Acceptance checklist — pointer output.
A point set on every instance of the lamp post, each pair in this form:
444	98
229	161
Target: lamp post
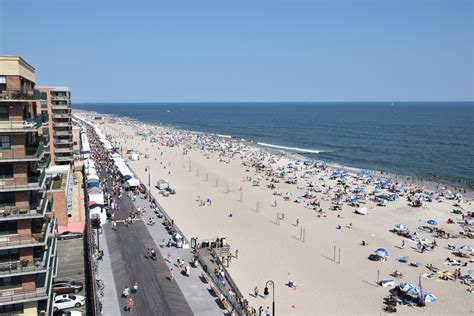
265	291
147	168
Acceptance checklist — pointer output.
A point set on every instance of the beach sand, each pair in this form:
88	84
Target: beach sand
272	250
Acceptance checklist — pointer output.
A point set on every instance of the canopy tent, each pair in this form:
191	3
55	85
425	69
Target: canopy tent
94	190
98	212
133	182
97	198
92	177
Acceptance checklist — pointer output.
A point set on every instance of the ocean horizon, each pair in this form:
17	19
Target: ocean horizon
429	139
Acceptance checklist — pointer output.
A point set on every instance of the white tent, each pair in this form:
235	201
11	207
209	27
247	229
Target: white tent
133	182
97	198
100	212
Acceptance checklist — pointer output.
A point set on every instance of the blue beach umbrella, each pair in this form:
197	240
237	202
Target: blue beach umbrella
432	222
413	292
429	298
406	286
382	252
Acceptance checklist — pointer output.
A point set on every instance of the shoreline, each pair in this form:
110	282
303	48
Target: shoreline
430	184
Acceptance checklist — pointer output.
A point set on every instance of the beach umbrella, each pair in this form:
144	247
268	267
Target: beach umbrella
361	210
406	286
382	252
466	250
429	298
413	292
432	222
400	227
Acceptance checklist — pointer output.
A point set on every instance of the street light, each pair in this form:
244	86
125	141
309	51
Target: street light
147	168
265	291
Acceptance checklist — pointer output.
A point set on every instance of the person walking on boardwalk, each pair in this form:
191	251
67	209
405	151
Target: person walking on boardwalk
130	305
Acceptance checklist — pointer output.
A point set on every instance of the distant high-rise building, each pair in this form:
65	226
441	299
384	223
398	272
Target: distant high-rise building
27	233
57	105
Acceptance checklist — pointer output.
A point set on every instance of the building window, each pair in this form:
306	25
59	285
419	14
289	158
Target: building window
9	255
8	228
10	282
6	171
12	309
7	199
5	142
3	83
4	115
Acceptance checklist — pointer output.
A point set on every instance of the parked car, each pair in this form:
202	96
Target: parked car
64	287
69	235
63	301
67	313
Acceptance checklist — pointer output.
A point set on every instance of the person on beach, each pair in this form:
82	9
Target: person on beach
255	291
171	276
403	243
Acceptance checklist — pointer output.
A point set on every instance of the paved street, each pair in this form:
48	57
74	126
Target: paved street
71	264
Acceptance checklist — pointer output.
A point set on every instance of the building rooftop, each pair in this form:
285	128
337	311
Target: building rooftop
16	66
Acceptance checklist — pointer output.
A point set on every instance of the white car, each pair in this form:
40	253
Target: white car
68	301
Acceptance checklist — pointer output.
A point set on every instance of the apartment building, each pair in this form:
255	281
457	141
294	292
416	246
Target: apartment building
27	229
57	104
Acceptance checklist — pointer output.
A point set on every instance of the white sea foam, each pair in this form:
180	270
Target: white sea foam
294	149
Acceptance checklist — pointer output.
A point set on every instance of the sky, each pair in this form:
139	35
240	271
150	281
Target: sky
259	50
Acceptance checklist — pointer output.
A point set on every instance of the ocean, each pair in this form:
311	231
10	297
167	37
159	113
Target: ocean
429	139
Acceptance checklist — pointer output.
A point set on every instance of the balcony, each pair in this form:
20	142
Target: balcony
17	96
60	97
44	163
62	133
63	149
61	107
61	115
44	207
34	182
25	266
63	141
27	125
62	124
62	158
28	240
22	154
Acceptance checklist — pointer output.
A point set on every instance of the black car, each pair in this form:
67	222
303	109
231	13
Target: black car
69	235
67	286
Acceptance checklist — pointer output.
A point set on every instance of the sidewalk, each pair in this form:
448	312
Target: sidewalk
110	303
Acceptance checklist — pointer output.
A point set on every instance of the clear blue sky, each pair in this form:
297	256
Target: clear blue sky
225	50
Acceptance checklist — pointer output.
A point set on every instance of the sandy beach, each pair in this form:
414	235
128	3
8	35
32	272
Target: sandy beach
330	267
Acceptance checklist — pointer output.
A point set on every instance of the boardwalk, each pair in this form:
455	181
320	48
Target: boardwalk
127	249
